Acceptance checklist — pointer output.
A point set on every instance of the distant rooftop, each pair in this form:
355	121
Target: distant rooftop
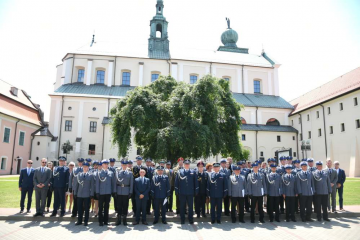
248	100
339	86
260	127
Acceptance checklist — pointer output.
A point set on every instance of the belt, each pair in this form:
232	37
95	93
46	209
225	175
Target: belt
122	185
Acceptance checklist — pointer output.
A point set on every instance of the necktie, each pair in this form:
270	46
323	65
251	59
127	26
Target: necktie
28	171
306	174
42	170
142	180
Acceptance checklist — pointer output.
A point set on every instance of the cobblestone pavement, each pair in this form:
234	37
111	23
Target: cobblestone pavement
344	228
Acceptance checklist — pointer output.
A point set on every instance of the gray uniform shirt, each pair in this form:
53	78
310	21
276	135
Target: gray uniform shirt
105	182
124	182
322	182
84	185
273	184
256	184
237	186
305	183
73	175
289	185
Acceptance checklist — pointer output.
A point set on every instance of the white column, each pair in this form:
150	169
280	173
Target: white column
79	125
174	70
259	117
110	73
56	123
246	81
286	116
141	73
269	84
253	116
181	72
207	70
239	80
68	70
88	71
276	82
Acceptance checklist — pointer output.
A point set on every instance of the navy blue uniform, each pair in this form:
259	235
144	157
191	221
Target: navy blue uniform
160	189
60	184
217	189
200	198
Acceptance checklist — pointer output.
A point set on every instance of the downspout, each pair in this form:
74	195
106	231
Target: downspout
13	151
256	134
115	70
61	120
102	150
211	68
301	127
326	155
297	145
72	69
242	78
31	143
169	62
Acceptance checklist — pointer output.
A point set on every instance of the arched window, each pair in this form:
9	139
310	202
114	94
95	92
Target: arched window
193	78
154	76
243	121
227	78
100	76
126	75
158	30
273	122
81	74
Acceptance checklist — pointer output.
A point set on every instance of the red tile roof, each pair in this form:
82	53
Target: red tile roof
346	83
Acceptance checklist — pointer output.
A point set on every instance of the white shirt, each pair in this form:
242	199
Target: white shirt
337	170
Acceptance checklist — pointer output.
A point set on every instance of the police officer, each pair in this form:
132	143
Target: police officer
200	199
245	171
60	184
281	170
113	169
170	200
311	167
289	193
217	189
256	188
124	189
75	172
175	171
150	171
94	200
186	186
237	192
105	187
160	190
305	186
227	173
84	190
274	190
322	190
89	160
136	173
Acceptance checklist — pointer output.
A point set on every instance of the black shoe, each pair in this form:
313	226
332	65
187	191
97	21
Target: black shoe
105	223
252	221
118	222
177	212
145	223
262	221
213	222
148	213
155	222
309	220
203	215
227	214
171	210
62	214
21	211
73	215
164	222
327	220
319	220
85	224
294	220
277	220
135	223
28	211
287	220
233	221
78	223
271	220
101	224
303	220
198	216
53	215
182	222
242	221
124	221
191	222
218	221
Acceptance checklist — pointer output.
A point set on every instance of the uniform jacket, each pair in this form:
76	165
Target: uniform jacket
256	184
150	171
341	176
322	182
217	186
142	188
226	171
25	180
237	186
305	183
84	185
160	186
73	175
175	170
202	179
42	177
186	182
289	185
60	177
105	182
332	175
124	182
273	184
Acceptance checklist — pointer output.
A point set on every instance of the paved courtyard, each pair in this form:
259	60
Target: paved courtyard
344	228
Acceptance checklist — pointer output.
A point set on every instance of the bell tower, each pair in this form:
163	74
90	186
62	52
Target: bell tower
158	42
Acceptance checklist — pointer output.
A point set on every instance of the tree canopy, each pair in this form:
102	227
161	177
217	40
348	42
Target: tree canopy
171	119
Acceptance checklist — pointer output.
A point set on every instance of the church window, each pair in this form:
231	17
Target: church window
81	74
257	87
193	79
100	76
273	122
126	78
154	76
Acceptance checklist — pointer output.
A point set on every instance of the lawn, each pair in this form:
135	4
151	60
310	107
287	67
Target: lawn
10	194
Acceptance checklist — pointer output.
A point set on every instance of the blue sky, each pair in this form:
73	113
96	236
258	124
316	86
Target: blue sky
315	41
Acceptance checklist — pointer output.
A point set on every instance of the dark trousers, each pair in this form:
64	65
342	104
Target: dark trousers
170	200
305	207
340	192
200	201
216	202
259	200
24	192
273	206
290	207
321	203
158	204
104	204
141	208
122	202
59	199
148	204
48	197
247	203
234	202
177	203
83	205
281	204
227	205
75	207
189	201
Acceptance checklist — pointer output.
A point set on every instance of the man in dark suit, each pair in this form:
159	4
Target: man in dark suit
42	177
340	183
26	185
333	180
142	189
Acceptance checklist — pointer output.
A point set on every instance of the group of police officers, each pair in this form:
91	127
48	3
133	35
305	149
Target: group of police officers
295	183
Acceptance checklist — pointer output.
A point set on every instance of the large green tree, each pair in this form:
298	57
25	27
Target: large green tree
172	119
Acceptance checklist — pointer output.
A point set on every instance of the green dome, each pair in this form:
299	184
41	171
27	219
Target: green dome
229	38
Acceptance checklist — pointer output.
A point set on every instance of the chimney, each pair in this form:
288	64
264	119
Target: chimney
14	91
